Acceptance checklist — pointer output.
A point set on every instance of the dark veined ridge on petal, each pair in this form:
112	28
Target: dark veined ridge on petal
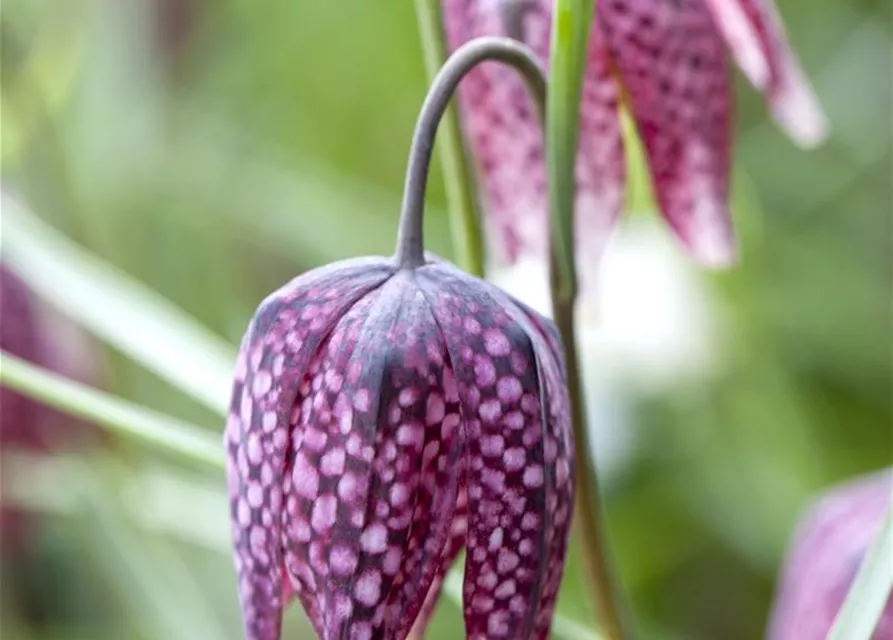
504	130
510	489
424	388
672	63
389	448
276	351
332	431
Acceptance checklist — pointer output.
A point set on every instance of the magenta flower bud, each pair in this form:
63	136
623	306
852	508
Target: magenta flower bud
669	60
827	549
386	413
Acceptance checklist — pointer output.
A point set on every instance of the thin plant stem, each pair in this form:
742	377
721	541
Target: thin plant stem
149	427
468	246
410	240
571	24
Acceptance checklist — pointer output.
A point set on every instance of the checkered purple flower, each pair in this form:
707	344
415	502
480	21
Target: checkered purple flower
382	419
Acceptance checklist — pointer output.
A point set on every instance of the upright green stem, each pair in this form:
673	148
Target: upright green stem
468	247
588	509
570	35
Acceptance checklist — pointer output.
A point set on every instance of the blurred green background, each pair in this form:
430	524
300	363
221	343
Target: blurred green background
212	150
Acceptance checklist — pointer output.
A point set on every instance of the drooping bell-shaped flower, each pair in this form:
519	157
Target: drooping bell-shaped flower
386	413
825	553
667	59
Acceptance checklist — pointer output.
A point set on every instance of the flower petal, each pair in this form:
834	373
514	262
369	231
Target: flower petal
672	63
559	458
825	553
454	545
515	519
276	351
756	36
504	131
375	471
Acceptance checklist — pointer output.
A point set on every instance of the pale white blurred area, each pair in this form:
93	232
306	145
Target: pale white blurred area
647	323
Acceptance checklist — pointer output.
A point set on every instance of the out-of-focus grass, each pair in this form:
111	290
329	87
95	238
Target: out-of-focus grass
216	152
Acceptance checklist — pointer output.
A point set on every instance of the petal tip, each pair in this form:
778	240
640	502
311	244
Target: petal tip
799	113
712	246
715	254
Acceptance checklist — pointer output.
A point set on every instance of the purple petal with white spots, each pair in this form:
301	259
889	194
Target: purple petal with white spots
756	36
672	63
504	132
276	352
518	456
388	445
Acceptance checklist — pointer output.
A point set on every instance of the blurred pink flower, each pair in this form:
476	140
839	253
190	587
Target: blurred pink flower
823	558
667	58
30	331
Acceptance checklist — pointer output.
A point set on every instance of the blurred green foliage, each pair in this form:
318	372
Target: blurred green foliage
215	149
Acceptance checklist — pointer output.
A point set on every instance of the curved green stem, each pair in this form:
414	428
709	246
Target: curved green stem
468	246
570	35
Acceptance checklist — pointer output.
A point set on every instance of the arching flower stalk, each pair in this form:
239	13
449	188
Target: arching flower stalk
386	413
829	545
667	61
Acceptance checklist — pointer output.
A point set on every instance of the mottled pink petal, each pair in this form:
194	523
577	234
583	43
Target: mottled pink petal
504	132
276	351
826	551
756	36
672	62
559	450
455	543
559	462
519	479
373	480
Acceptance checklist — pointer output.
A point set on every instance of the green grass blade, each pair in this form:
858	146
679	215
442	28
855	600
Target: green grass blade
118	309
144	425
864	604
